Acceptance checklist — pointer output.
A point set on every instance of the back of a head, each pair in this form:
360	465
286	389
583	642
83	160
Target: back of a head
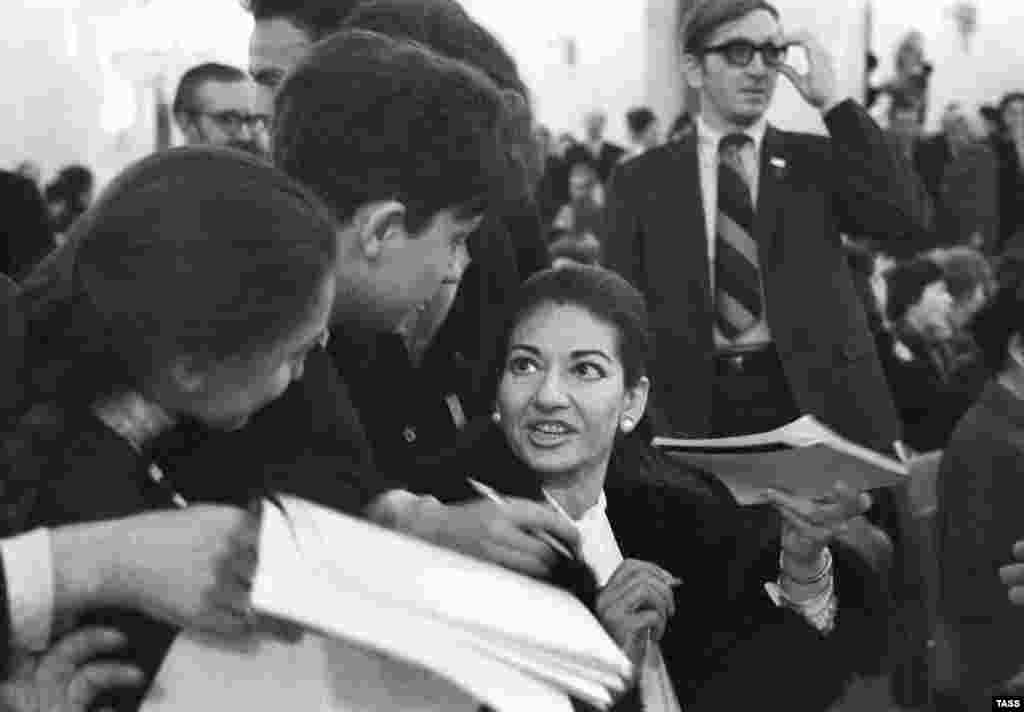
445	27
318	18
639	120
606	295
698	25
906	282
204	252
193	79
367	117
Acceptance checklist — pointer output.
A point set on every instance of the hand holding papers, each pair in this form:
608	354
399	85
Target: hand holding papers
804	458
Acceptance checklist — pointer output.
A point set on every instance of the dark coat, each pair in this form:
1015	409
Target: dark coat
849	183
980	491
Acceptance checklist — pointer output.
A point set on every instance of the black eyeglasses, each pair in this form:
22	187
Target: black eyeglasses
233	121
740	53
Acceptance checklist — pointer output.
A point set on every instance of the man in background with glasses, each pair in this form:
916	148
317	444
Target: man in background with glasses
220	105
734	234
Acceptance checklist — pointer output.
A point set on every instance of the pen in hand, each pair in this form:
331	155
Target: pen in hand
492	494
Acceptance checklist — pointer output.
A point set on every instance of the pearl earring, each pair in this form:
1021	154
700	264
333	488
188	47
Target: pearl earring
496	417
628	424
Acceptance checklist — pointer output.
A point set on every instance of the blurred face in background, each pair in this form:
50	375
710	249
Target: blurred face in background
955	125
581	184
275	47
228	114
594	125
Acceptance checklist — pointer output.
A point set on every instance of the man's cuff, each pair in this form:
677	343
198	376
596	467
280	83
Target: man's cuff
28	562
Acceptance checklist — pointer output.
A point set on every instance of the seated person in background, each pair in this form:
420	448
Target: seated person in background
569	429
584	213
979	495
915	354
183	302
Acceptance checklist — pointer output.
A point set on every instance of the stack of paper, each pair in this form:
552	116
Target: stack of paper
803	457
403	625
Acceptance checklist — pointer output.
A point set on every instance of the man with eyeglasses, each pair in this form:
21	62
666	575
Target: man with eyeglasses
220	105
734	235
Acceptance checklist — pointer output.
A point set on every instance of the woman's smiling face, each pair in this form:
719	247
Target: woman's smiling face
563	395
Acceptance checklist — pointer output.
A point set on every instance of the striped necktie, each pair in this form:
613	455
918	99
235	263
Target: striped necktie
738	303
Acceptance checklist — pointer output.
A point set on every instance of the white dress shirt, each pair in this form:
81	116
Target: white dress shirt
708	140
601	552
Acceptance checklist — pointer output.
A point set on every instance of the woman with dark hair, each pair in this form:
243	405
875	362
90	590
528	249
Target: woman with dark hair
979	495
192	291
681	569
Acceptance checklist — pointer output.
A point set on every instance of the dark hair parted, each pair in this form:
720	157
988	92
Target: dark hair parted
906	282
201	252
606	295
698	25
639	119
367	117
445	27
317	18
196	77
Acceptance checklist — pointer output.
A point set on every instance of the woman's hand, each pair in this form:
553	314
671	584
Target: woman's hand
62	680
809	525
636	602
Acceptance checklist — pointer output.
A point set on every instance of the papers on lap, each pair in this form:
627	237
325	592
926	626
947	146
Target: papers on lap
803	457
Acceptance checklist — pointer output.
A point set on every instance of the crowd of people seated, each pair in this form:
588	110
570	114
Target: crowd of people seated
370	274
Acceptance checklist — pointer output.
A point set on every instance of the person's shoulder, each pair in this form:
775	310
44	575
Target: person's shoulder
647	165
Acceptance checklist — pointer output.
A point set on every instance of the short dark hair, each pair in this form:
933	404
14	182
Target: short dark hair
965	269
196	77
199	251
367	117
639	119
906	282
445	27
996	324
317	18
698	25
603	293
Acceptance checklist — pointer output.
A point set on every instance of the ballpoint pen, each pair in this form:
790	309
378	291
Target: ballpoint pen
492	494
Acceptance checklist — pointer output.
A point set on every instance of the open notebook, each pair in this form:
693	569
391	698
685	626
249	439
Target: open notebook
804	457
406	610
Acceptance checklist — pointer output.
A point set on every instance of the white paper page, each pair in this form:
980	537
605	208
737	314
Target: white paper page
315	675
477	595
299	592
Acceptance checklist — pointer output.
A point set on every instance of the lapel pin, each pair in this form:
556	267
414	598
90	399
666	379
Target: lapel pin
779	166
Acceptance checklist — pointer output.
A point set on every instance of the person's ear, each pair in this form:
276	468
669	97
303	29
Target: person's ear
636	400
379	224
693	70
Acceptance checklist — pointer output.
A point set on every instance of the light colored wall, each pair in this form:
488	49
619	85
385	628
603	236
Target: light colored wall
67	101
993	65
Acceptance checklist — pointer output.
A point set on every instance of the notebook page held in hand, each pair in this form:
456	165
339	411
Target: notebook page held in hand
803	457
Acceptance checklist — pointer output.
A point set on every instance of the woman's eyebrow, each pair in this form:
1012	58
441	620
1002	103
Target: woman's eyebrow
585	353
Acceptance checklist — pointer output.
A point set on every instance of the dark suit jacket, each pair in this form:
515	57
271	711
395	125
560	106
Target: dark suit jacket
851	183
979	495
728	646
1011	192
604	164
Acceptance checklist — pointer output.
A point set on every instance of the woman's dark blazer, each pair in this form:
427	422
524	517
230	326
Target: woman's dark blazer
728	646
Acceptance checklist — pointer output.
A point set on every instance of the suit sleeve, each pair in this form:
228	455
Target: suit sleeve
876	192
623	242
